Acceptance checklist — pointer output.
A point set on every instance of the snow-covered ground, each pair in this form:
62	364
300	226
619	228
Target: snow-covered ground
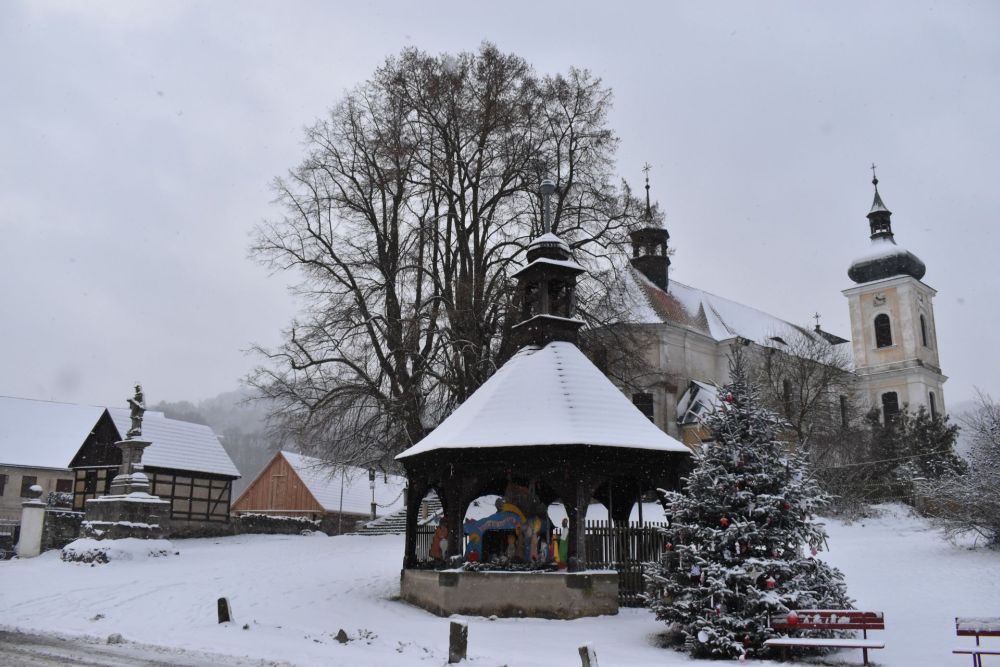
292	594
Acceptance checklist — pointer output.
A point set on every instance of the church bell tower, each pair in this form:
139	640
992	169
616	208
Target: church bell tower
893	331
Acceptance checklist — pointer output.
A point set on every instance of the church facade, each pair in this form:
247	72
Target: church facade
686	333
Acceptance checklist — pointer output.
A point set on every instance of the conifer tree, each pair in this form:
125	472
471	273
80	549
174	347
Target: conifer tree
742	541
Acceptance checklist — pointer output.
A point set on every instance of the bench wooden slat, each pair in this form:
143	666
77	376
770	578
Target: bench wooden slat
817	642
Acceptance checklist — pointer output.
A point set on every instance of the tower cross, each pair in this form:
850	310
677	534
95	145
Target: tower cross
816	317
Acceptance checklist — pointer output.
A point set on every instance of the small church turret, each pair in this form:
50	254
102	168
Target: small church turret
892	323
649	246
546	287
886	258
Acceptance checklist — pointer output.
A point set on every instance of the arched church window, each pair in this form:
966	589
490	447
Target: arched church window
890	406
923	330
644	401
883	331
786	397
932	403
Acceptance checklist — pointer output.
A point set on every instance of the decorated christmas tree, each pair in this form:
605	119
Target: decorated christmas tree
742	540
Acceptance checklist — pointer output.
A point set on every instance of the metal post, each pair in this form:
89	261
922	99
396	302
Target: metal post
371	482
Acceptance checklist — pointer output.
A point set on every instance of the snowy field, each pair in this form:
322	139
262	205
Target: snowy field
290	595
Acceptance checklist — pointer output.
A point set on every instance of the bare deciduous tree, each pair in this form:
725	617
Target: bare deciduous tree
415	202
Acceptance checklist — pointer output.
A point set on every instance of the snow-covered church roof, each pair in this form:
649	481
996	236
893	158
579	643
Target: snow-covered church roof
551	395
178	444
43	434
715	316
329	486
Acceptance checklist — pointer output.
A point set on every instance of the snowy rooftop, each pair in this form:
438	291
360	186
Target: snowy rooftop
43	434
177	444
547	396
566	263
716	316
548	238
328	485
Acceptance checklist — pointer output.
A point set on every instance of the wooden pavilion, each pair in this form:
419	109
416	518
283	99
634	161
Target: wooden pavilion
548	425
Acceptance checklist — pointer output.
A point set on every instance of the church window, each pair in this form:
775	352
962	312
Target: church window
843	411
923	330
644	401
933	404
883	331
531	297
890	405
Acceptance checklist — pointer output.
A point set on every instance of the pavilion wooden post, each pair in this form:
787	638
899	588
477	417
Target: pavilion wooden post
415	491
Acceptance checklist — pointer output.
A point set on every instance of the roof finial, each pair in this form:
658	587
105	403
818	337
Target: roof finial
548	187
816	317
874	177
649	211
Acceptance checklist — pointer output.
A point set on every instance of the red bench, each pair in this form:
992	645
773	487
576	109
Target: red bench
826	619
977	626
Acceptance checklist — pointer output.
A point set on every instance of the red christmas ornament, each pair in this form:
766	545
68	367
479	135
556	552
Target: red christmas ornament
746	640
770	582
793	618
813	551
670	546
723	522
729	398
718	610
786	507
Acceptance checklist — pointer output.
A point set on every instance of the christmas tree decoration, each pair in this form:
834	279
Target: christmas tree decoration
738	548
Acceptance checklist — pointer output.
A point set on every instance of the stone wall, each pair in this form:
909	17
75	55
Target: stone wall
61	527
512	594
272	525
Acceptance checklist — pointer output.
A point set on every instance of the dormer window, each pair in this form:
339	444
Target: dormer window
883	331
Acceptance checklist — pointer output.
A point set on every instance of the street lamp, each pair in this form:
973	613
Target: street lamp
371	483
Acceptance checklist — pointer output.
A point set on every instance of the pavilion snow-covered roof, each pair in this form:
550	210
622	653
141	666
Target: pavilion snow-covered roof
551	395
43	434
326	483
178	445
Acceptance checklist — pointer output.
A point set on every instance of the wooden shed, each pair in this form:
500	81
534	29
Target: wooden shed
303	486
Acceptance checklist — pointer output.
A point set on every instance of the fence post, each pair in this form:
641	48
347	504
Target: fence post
32	520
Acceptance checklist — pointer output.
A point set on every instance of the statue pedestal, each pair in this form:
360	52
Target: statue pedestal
129	510
136	514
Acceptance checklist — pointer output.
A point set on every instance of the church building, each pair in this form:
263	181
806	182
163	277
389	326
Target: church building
687	333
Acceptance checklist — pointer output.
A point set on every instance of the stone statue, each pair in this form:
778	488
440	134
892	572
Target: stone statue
137	404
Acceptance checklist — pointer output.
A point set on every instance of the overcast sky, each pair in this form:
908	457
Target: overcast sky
138	142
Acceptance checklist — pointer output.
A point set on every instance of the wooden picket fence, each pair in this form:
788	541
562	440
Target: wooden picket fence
624	548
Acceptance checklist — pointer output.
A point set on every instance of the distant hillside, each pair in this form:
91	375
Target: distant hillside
240	423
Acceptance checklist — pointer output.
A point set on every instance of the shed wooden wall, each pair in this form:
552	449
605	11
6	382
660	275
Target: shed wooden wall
277	488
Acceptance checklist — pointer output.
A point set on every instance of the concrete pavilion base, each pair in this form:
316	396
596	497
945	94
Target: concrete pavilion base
559	595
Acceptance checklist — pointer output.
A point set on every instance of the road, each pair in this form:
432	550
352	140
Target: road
37	650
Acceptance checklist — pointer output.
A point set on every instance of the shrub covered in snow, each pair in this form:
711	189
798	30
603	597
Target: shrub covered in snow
741	540
273	525
86	550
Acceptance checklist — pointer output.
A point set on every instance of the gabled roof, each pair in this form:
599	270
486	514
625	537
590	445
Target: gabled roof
716	316
551	395
177	444
325	483
43	434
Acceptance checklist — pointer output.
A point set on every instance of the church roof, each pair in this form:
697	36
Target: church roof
551	395
715	316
